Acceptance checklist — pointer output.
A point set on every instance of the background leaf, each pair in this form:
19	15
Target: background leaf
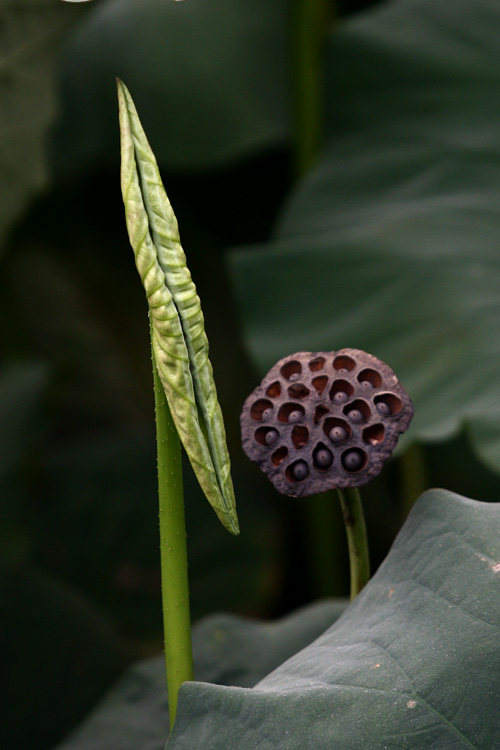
209	79
391	244
413	663
31	31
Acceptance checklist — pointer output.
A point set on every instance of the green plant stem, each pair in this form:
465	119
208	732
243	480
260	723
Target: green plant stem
352	510
310	20
173	550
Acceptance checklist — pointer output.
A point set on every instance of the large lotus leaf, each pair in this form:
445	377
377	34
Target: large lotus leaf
209	78
392	242
30	32
227	650
413	663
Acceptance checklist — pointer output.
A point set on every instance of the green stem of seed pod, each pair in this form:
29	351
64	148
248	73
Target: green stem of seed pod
352	510
173	550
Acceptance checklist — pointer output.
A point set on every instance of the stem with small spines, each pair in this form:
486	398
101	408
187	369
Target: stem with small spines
173	550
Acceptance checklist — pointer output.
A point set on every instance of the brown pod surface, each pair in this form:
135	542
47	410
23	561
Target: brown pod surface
324	420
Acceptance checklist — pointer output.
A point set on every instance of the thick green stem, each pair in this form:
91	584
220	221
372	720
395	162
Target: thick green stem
357	541
310	20
173	550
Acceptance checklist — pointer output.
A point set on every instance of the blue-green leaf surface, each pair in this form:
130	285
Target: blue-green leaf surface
180	344
391	244
413	664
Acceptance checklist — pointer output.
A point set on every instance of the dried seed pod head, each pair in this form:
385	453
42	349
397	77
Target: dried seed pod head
324	420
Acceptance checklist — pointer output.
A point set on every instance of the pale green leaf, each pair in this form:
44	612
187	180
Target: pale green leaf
179	341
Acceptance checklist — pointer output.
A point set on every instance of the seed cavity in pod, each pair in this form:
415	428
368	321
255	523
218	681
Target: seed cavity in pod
317	364
390	404
271	437
300	436
383	408
300	470
266	436
291	412
279	455
323	458
374	434
320	383
338	434
369	378
340	397
274	390
291	370
261	409
341	391
337	430
355	415
353	460
343	362
357	411
298	390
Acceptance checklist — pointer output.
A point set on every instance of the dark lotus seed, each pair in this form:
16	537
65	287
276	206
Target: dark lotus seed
383	408
271	437
340	397
295	415
355	415
352	460
323	458
300	470
337	434
266	413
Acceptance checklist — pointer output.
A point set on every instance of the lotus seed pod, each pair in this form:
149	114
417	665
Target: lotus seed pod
332	420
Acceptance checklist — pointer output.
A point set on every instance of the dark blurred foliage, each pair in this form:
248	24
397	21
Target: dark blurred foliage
79	585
